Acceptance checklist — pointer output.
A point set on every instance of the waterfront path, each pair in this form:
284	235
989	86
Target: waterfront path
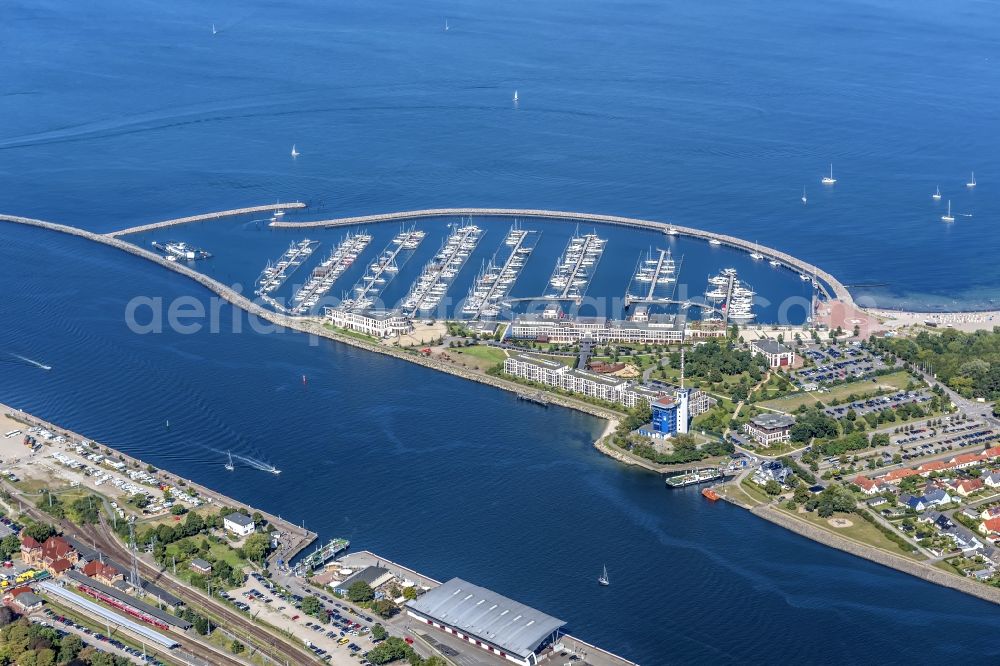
827	283
205	216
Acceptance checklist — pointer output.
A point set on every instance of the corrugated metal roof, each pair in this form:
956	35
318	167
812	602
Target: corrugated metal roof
484	614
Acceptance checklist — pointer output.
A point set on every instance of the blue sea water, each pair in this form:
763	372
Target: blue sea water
708	114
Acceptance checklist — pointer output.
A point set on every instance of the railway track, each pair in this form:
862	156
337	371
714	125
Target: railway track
282	650
202	653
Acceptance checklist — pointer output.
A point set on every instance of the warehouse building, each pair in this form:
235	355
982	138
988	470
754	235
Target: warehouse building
490	621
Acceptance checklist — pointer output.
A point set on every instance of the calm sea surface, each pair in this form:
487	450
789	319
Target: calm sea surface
708	114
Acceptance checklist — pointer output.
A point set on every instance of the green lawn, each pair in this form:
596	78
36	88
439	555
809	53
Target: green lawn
861	530
896	381
351	334
491	354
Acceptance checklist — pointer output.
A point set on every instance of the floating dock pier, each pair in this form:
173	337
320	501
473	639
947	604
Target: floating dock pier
273	276
437	276
495	282
392	258
331	268
576	267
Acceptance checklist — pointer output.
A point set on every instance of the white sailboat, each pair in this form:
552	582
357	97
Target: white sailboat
446	27
515	97
756	255
948	217
229	465
829	180
295	153
804	199
972	181
214	31
604	580
937	194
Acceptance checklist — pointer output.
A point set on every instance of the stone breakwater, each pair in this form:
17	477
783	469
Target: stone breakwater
825	280
206	216
898	562
309	325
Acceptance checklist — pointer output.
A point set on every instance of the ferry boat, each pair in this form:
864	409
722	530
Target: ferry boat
694	477
174	250
321	556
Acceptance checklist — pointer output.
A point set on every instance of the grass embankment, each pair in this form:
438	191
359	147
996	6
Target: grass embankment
897	381
860	530
351	334
479	356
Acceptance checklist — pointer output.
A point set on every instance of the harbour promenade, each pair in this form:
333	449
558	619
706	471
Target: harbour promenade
827	283
206	216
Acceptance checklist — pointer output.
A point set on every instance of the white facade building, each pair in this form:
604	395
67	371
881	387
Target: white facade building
655	329
604	387
376	323
239	524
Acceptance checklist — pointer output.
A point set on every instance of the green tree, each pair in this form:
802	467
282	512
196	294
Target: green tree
38	531
772	487
360	591
389	650
69	648
410	593
311	605
236	647
378	632
384	608
257	547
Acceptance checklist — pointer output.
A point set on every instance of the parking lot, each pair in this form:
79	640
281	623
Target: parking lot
341	641
65	626
876	404
834	365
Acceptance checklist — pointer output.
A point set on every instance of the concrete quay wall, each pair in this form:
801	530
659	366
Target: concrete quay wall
830	285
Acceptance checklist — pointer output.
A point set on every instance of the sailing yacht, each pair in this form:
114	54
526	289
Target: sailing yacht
948	217
214	31
604	580
829	180
229	465
515	97
446	28
937	194
972	181
295	153
804	199
756	255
